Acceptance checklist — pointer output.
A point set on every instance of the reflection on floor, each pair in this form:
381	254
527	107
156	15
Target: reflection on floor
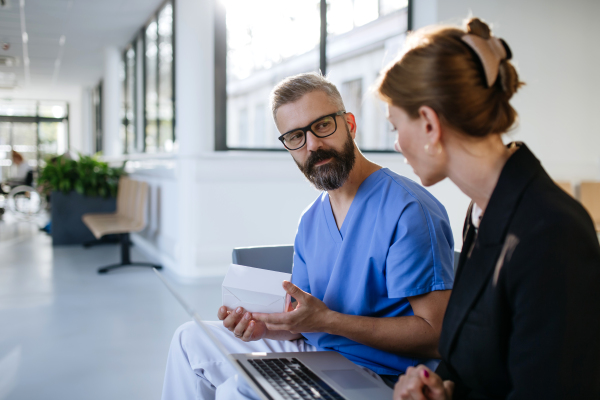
69	333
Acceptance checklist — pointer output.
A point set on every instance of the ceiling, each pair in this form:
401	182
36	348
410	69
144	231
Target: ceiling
87	25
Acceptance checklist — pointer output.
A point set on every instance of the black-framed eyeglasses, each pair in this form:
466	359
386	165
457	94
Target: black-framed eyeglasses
321	127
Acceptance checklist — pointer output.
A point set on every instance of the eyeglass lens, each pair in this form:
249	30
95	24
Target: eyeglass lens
321	128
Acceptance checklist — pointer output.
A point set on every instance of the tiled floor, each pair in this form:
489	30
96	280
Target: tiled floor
69	333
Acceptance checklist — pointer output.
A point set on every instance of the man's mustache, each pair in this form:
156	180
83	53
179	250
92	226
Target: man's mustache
318	156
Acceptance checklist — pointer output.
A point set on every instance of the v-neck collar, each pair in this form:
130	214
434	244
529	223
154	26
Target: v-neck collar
339	234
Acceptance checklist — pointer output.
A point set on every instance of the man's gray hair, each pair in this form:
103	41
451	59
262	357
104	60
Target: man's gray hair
294	87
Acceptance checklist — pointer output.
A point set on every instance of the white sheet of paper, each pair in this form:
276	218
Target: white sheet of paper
254	289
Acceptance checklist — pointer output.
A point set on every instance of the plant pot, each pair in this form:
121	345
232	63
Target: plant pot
67	210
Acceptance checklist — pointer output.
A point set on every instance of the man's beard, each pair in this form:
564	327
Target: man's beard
334	174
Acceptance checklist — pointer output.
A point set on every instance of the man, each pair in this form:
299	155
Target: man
372	263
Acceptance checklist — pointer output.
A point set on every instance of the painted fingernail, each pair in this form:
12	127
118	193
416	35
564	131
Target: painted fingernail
425	373
247	316
238	310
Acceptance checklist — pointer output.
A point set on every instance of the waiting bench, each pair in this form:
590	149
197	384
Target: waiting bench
132	197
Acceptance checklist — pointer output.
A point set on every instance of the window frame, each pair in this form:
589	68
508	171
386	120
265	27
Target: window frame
125	122
141	36
220	75
37	120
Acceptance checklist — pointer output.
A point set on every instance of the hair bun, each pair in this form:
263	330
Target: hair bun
479	28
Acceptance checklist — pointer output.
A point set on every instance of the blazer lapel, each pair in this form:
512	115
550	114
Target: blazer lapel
474	276
480	251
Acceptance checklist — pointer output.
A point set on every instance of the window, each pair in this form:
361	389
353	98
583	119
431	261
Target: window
268	40
158	78
129	90
36	129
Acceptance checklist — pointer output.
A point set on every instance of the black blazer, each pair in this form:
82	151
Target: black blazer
523	321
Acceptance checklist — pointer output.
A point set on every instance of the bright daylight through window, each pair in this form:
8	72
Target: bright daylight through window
35	129
159	133
268	40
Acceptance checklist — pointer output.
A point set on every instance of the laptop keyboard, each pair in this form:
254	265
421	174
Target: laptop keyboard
293	380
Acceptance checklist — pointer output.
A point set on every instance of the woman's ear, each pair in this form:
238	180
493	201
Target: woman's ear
431	124
351	122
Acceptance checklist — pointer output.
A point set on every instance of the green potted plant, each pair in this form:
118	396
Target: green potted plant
77	187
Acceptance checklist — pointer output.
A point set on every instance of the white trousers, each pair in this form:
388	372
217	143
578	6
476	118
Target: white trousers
197	370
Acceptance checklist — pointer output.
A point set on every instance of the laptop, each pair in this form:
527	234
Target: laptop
300	375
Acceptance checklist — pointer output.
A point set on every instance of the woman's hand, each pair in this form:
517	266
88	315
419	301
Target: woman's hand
421	383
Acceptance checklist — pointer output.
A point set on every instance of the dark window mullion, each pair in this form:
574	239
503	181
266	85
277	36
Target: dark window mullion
125	102
144	89
38	156
173	71
157	86
323	44
134	95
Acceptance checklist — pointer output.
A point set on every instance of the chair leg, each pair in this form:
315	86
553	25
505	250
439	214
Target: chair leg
111	239
125	257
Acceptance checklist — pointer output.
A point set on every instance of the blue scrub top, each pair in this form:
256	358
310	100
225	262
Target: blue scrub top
395	242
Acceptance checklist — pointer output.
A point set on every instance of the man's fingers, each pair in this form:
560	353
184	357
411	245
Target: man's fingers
222	313
294	291
249	331
276	318
242	325
233	318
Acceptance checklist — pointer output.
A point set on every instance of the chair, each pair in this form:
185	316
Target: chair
130	217
589	194
277	258
274	258
566	186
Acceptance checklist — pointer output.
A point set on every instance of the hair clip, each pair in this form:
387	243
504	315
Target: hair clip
491	52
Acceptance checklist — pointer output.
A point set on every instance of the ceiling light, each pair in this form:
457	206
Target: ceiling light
25	37
62	40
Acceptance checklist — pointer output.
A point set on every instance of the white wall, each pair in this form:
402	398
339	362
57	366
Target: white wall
211	202
555	49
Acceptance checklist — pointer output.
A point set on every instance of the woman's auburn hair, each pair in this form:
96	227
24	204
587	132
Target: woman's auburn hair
437	69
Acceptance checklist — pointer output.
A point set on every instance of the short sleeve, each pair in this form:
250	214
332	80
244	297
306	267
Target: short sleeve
299	271
413	265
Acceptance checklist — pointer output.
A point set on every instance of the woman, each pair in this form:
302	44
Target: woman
523	321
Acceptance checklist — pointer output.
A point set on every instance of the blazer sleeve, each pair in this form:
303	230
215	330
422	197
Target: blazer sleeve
461	391
551	284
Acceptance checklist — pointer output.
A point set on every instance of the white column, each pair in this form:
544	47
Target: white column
194	50
111	102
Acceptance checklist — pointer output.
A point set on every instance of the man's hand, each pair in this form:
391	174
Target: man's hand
310	314
421	383
241	324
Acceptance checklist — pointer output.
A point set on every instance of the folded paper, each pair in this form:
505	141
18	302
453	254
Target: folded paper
254	289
